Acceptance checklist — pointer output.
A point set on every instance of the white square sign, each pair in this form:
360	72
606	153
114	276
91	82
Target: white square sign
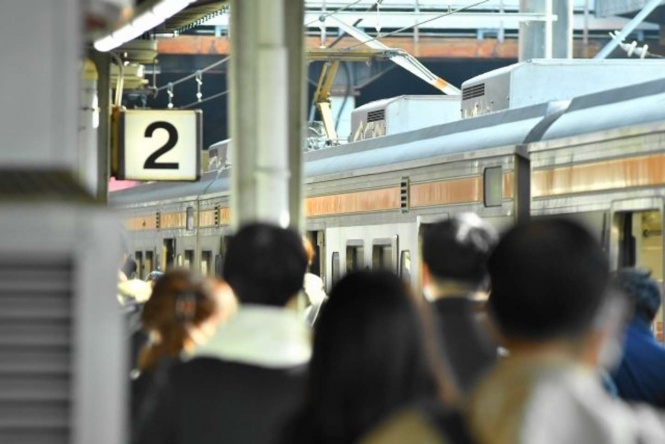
159	145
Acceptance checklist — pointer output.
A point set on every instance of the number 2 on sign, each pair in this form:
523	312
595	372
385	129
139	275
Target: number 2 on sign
151	162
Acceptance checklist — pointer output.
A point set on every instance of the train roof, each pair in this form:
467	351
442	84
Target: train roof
620	107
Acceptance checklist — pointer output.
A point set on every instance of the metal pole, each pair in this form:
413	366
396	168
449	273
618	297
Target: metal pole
102	61
261	111
630	27
562	30
535	37
297	134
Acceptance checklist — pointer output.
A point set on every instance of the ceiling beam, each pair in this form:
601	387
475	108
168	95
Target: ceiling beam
425	48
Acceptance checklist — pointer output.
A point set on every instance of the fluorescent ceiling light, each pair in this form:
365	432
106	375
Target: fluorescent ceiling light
141	24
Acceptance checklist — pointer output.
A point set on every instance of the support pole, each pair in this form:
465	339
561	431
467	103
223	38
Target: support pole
102	61
562	29
535	37
297	69
630	27
266	116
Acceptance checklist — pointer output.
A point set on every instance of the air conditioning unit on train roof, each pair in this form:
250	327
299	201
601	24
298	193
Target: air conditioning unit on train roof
401	114
539	81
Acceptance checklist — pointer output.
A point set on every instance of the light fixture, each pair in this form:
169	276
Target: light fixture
140	24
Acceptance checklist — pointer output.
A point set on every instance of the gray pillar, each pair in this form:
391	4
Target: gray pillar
562	29
40	45
535	37
297	110
103	63
263	114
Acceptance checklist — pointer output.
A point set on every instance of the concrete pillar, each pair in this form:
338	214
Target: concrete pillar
535	37
562	29
297	68
88	125
102	61
267	110
40	46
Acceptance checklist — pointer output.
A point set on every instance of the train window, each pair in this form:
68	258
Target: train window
335	267
219	265
382	257
190	218
384	254
493	186
355	255
206	262
168	254
138	257
148	262
405	266
189	259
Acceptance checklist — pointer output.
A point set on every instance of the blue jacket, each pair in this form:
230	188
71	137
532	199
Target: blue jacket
641	374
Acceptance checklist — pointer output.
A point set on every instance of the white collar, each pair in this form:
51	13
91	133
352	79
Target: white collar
261	335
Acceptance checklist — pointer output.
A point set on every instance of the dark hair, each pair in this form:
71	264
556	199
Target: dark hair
458	248
549	280
265	264
179	300
129	268
369	359
643	292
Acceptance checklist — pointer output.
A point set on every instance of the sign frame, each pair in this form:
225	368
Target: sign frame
120	146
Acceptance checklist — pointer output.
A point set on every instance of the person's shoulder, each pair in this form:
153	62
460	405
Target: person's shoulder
405	426
425	423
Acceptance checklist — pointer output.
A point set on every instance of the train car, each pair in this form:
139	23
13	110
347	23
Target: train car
599	158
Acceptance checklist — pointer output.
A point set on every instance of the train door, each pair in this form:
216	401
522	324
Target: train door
148	262
637	241
206	262
317	238
140	270
355	255
384	254
168	254
415	266
189	259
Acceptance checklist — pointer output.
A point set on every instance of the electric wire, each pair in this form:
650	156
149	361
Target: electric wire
214	96
330	14
445	14
193	75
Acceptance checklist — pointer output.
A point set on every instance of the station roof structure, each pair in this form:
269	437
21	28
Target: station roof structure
470	28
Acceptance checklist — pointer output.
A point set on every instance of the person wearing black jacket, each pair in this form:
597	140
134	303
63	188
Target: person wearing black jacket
455	253
238	387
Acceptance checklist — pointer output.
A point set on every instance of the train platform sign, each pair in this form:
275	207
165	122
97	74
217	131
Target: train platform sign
157	145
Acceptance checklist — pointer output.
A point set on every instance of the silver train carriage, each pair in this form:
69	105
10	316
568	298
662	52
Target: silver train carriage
599	158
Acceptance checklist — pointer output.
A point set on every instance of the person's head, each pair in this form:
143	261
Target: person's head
456	251
265	264
549	282
643	292
129	268
153	277
182	312
369	358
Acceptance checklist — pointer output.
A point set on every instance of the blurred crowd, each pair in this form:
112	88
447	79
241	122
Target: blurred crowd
523	338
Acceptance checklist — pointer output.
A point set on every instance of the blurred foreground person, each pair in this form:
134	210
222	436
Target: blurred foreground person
237	387
455	280
182	312
641	374
558	318
313	289
370	362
